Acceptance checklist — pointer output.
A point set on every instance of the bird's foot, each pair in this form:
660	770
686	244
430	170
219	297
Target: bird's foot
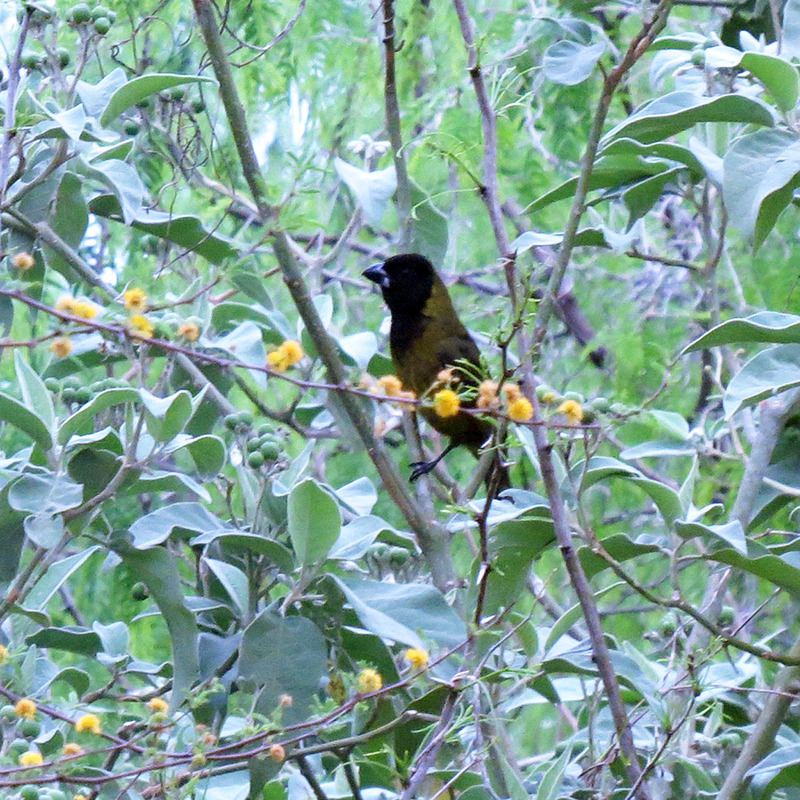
420	468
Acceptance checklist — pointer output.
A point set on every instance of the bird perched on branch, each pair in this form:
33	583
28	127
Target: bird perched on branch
426	337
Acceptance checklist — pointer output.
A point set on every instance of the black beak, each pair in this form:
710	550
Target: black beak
377	274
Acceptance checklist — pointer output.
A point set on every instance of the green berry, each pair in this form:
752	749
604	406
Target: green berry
29	728
264	429
576	396
230	421
29	792
255	460
7	714
618	408
131	127
253	444
726	616
53	385
198	106
601	404
80	13
100	11
139	591
68	395
698	57
97	387
83	395
269	450
245	417
102	25
30	60
398	556
541	390
64	57
72	382
17	747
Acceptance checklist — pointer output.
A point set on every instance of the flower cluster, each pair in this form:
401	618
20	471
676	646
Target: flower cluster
368	680
285	356
573	411
446	403
83	309
417	658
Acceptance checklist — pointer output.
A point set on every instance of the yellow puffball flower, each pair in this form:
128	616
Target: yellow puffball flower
23	261
189	331
293	351
25	708
30	759
84	309
446	403
278	360
520	410
487	395
368	680
572	410
61	347
88	723
71	749
391	385
80	796
135	299
65	304
140	327
416	657
277	753
3	654
158	705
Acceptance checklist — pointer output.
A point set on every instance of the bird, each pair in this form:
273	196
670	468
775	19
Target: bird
426	336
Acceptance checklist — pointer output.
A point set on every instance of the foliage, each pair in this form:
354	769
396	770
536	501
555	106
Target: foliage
217	582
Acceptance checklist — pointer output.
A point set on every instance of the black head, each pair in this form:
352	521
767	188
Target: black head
406	282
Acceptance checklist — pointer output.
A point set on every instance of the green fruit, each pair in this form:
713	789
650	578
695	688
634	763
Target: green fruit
71	382
177	93
29	728
245	417
253	444
198	106
601	404
270	450
17	747
541	390
264	429
398	556
102	25
41	14
255	460
53	385
29	60
80	13
29	792
68	395
7	714
589	416
698	57
100	11
726	616
618	408
83	395
576	396
97	387
139	591
64	57
131	127
230	421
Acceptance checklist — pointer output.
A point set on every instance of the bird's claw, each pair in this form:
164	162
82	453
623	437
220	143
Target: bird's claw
420	468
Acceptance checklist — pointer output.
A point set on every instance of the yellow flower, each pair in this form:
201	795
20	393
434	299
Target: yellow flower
23	261
189	330
30	759
293	350
135	299
140	327
572	410
25	708
88	723
80	796
368	680
416	657
277	360
61	347
71	749
512	392
84	310
3	654
520	410
65	304
277	753
158	704
446	403
390	385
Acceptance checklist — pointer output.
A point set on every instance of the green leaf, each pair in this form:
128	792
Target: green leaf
553	778
184	230
765	326
762	170
124	181
681	41
95	97
779	76
570	63
730	533
284	656
155	528
403	612
207	452
44	530
44	494
82	419
166	417
54	578
766	374
675	112
235	541
34	392
430	234
782	571
234	581
779	768
244	343
642	196
69	220
372	190
69	638
137	89
314	522
156	568
571	616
